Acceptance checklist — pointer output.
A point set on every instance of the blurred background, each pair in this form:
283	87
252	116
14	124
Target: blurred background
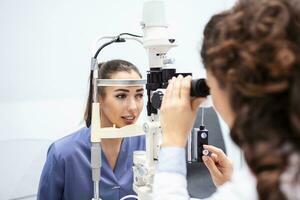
45	63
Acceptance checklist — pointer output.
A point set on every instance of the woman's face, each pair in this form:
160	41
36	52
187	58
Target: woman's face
121	105
220	99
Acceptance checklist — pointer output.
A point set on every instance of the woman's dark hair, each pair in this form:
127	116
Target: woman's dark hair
106	70
253	50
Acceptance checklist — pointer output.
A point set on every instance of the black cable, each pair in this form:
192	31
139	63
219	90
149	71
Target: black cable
104	45
130	34
117	39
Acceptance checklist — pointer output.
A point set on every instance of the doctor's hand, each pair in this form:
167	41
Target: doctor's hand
218	164
178	112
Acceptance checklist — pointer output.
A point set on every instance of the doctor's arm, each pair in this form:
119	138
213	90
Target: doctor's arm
178	113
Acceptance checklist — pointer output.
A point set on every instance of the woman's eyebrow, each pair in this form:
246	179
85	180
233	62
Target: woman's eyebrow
140	90
125	90
121	90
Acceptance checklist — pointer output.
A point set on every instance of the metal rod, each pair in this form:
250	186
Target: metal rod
121	82
202	116
96	190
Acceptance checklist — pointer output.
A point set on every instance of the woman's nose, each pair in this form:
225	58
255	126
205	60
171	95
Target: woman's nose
132	105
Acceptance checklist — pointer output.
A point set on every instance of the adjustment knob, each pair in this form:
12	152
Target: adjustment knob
157	99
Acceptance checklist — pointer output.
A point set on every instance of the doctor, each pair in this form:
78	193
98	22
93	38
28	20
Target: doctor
251	54
67	172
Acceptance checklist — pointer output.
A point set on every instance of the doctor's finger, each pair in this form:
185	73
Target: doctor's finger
196	103
219	152
185	88
176	87
168	92
211	166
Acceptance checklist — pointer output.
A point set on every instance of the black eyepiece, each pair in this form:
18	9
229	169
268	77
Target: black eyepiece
199	88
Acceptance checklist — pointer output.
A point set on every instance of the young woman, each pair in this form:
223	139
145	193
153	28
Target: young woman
67	172
253	67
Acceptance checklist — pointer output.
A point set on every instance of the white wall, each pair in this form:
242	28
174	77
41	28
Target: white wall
46	48
45	57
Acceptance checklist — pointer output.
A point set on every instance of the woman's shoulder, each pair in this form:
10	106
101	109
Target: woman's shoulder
78	140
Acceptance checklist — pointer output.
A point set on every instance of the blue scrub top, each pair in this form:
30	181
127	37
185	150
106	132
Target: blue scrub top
67	173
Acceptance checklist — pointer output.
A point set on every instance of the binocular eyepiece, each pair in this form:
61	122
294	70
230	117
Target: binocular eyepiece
158	79
199	88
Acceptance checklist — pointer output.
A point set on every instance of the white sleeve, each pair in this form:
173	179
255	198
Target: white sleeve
172	185
241	187
169	186
169	180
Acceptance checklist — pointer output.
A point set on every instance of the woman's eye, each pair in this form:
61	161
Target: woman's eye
140	96
121	96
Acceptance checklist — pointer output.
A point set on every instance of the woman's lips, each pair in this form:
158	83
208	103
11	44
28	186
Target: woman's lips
128	119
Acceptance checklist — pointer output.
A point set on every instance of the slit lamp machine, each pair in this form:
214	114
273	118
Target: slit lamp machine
157	43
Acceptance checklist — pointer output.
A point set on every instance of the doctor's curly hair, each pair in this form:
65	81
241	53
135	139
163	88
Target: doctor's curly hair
253	50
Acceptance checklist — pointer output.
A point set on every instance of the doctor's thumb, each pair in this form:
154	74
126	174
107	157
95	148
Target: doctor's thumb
196	103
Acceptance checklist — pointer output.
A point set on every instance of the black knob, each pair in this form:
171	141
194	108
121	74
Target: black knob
157	99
